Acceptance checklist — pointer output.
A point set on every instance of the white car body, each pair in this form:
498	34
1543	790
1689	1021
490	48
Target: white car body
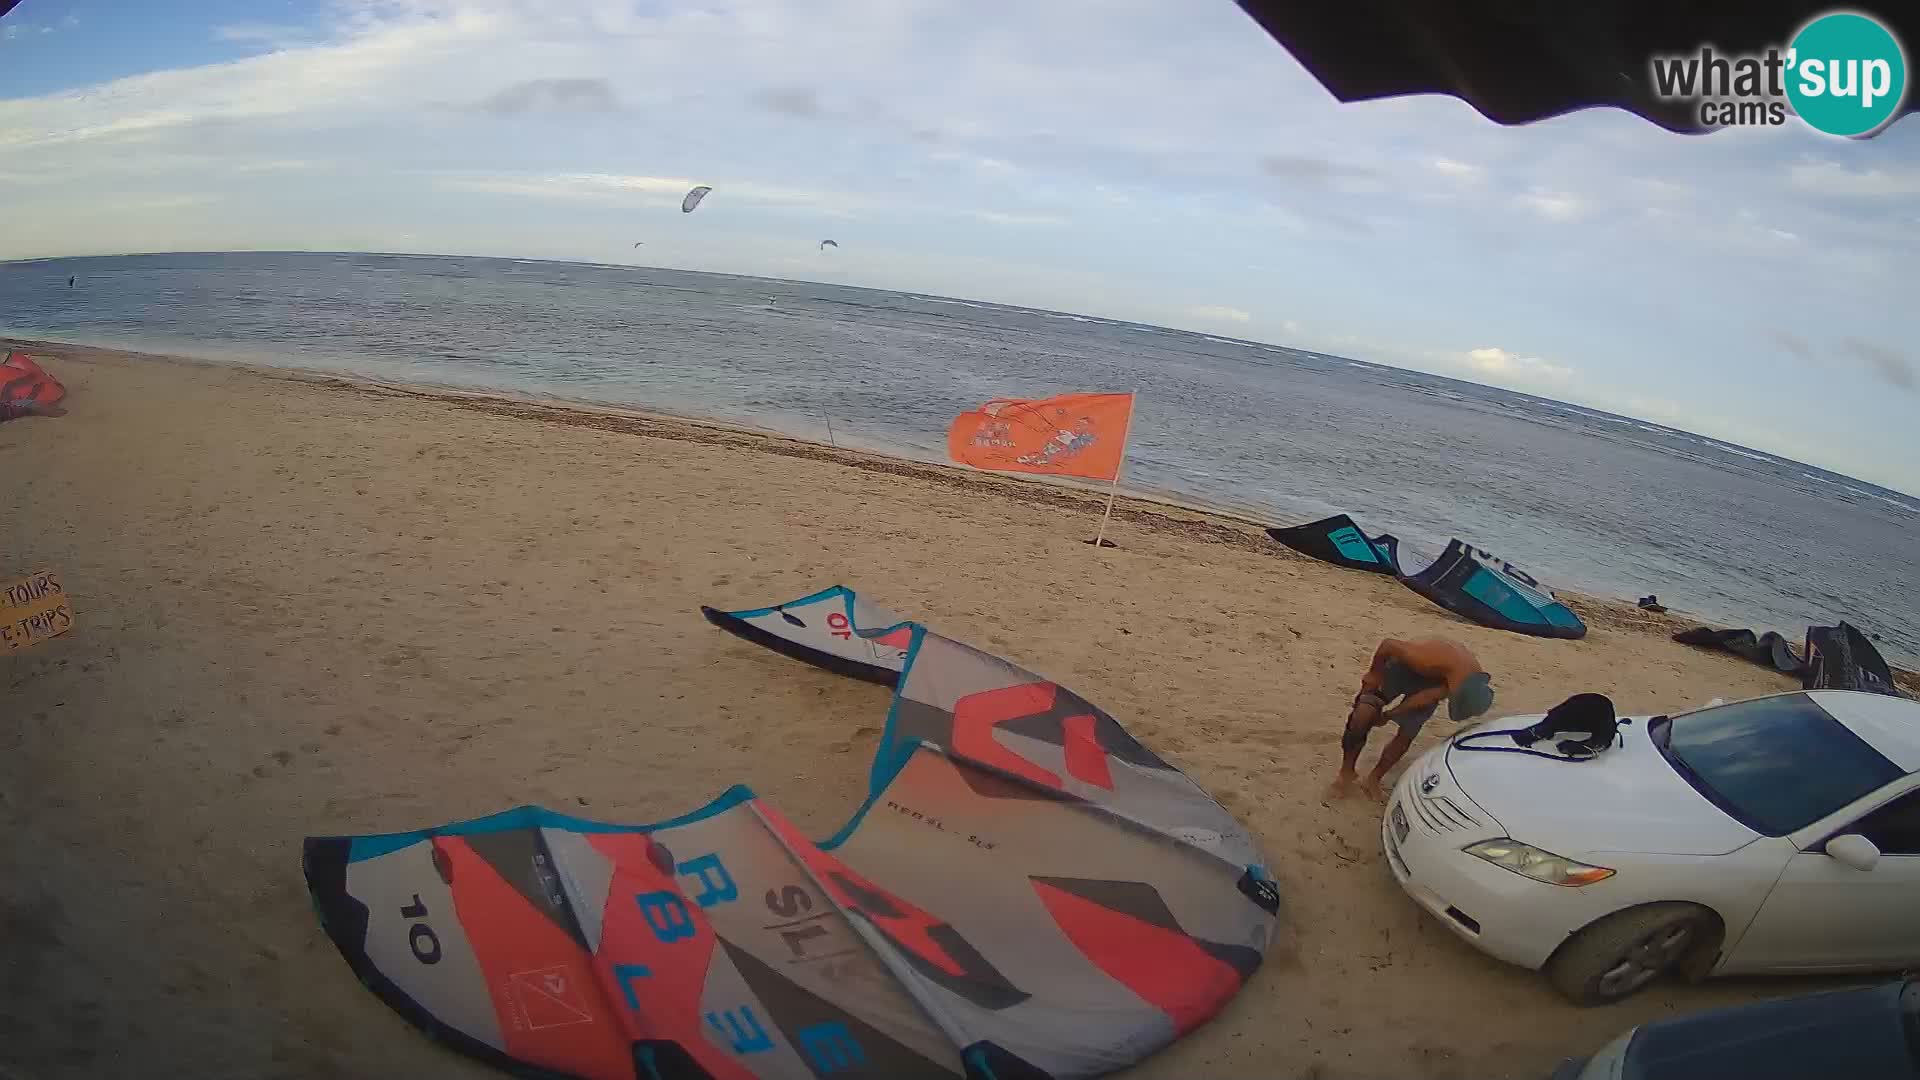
1783	903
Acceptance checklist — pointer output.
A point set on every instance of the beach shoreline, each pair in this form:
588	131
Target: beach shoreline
1153	509
1592	502
305	605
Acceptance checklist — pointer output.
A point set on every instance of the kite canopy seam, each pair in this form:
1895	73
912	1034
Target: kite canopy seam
1025	893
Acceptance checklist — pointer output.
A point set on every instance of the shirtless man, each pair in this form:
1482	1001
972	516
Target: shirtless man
1426	672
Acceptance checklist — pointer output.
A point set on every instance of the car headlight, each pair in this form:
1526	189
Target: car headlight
1530	861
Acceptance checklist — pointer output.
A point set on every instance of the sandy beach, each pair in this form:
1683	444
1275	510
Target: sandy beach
306	606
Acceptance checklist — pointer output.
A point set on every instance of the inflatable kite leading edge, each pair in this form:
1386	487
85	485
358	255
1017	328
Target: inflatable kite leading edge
1338	540
1465	580
1026	893
832	629
1475	584
1837	657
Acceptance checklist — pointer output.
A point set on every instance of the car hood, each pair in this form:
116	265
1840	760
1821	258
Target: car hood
1627	799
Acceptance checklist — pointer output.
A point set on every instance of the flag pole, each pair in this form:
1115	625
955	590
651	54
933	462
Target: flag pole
1100	537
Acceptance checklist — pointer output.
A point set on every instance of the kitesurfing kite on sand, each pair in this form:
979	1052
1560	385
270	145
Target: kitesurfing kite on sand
1027	891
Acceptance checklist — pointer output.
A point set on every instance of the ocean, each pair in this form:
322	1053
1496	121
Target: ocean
1579	498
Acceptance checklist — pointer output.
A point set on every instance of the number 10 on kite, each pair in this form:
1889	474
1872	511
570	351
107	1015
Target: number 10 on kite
1083	435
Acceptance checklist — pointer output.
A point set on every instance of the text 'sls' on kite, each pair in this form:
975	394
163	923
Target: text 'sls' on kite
1026	892
1082	435
33	609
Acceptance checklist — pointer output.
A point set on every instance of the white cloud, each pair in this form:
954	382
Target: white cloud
1314	171
1832	178
1554	205
649	190
1220	313
550	95
1794	344
164	202
1458	170
801	102
271	34
593	187
994	217
991	167
359	72
1889	366
1497	363
270	165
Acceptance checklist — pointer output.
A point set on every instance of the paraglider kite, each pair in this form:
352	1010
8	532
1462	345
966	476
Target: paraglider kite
693	198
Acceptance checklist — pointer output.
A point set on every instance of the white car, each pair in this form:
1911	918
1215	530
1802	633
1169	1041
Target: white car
1780	834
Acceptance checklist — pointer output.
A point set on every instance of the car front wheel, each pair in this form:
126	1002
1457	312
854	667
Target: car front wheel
1617	956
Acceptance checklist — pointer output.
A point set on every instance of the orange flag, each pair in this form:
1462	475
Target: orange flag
1070	435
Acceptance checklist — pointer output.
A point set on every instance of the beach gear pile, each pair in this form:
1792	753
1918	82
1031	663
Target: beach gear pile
25	387
1835	657
1026	892
1468	581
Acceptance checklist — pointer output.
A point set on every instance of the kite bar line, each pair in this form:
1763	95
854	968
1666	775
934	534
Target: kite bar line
1099	538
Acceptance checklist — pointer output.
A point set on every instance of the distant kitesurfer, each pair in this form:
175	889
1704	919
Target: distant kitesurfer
69	281
1426	672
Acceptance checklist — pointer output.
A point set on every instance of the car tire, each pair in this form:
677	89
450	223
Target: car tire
1618	956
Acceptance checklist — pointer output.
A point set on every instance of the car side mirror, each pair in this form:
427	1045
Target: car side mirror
1854	850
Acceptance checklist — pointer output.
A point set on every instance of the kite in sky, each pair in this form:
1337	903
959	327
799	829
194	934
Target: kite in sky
693	198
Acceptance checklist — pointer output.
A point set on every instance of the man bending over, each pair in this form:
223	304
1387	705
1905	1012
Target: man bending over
1421	674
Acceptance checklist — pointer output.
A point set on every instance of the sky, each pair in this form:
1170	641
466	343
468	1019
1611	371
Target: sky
1162	161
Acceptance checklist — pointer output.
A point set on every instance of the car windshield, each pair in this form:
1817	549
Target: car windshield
1775	764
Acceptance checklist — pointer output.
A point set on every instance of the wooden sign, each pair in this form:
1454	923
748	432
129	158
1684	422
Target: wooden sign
33	609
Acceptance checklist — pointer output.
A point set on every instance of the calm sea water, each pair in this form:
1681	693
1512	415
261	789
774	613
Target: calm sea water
1580	498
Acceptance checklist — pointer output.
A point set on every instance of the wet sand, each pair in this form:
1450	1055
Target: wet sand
310	606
